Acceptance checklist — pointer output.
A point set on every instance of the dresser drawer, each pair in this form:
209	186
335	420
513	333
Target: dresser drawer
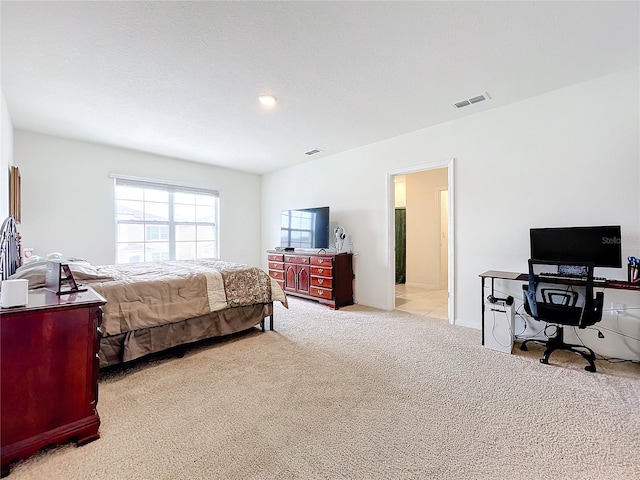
322	261
277	274
276	266
322	271
321	282
296	259
321	292
276	257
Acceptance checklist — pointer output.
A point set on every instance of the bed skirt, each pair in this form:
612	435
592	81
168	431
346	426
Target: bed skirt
129	346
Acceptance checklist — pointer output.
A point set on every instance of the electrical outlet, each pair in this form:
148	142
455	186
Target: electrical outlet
617	307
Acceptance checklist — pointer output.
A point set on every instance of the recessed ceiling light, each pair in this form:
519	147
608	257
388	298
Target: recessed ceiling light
268	100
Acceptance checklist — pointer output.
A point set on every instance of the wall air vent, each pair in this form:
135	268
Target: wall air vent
472	100
312	152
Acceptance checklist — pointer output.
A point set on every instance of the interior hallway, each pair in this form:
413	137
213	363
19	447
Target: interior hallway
422	301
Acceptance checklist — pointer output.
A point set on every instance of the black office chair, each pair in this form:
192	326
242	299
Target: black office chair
558	307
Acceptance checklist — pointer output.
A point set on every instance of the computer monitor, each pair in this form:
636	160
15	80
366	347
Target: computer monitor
600	245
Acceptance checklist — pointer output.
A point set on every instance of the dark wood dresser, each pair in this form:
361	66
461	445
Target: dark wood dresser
49	372
324	277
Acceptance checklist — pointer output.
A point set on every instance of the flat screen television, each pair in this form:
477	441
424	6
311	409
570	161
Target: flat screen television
601	246
305	228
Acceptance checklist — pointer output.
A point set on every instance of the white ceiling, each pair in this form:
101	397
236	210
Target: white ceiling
182	78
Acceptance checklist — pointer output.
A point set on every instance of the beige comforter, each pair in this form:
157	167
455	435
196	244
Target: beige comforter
144	295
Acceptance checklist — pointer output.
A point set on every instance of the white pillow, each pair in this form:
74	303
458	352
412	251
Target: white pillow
36	272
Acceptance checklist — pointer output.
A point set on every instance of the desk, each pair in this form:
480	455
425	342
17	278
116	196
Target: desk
524	277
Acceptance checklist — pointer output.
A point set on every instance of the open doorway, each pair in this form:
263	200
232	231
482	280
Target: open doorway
421	218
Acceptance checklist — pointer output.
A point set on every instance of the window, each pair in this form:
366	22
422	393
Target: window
164	222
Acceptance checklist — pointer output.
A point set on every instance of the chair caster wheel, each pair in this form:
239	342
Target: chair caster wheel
590	368
545	361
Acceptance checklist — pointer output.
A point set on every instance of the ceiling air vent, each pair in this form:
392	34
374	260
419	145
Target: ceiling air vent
312	152
472	100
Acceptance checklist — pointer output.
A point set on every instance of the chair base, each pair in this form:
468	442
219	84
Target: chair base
557	343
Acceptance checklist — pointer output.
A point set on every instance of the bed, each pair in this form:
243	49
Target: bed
152	307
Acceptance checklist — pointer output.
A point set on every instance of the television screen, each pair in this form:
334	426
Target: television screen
601	246
305	228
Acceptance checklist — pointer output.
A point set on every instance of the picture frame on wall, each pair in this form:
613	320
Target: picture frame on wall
14	194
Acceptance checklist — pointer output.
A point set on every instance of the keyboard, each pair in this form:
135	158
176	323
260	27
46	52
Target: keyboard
570	276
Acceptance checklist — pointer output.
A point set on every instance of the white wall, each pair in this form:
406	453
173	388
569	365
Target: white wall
6	157
423	226
68	197
569	157
400	191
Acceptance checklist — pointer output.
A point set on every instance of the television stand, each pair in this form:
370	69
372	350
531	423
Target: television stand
324	277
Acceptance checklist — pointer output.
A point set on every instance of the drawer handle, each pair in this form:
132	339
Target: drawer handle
320	280
320	292
320	270
320	261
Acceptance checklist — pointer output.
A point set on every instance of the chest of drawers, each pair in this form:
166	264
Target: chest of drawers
49	372
324	277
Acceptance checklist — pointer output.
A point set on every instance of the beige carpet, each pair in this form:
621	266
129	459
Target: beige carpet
358	394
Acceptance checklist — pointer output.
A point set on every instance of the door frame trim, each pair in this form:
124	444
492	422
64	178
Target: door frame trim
439	191
449	164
